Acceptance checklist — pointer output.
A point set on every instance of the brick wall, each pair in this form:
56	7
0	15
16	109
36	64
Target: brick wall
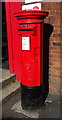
54	17
55	48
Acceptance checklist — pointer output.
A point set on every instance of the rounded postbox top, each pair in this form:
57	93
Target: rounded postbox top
31	12
24	15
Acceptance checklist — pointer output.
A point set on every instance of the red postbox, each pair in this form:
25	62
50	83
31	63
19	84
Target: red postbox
30	30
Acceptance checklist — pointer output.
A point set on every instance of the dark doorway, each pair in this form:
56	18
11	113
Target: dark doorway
4	35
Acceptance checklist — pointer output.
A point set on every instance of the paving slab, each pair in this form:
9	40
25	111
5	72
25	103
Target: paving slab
13	109
47	111
29	113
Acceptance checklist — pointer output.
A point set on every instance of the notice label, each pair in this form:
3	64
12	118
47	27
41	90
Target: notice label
35	6
25	43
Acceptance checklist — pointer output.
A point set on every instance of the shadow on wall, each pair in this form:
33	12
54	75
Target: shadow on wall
48	29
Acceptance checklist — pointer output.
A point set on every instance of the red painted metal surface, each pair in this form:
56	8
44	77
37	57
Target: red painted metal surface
30	29
13	38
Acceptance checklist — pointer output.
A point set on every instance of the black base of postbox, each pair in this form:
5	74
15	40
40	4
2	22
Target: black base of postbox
32	97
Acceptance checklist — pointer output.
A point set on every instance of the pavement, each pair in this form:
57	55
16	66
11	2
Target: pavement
13	109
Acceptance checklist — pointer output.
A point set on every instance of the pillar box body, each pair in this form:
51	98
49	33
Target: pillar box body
30	30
